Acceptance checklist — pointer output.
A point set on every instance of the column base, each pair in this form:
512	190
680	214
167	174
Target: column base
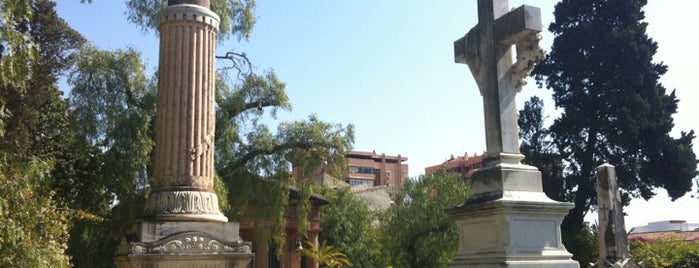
183	244
183	206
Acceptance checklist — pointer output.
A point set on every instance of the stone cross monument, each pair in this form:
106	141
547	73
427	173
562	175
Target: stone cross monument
182	225
508	221
613	242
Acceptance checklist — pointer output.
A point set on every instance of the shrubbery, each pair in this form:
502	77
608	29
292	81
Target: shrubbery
666	253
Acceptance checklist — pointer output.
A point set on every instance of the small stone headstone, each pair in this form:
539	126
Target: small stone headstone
613	242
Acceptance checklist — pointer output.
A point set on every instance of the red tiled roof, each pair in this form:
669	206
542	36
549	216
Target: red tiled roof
455	162
369	188
673	235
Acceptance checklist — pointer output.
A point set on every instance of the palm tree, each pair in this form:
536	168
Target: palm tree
326	256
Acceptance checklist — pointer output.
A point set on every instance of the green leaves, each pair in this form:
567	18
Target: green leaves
665	253
114	106
416	231
539	149
237	17
325	255
18	51
351	227
249	99
34	232
35	229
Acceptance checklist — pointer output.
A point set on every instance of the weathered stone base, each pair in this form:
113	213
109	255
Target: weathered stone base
516	227
183	206
183	244
188	261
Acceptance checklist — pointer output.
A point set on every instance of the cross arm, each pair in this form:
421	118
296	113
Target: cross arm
512	26
516	24
463	53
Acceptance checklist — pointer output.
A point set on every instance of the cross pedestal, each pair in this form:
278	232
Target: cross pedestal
508	221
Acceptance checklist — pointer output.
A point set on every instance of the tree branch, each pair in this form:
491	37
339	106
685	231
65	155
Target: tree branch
252	153
130	99
240	63
235	111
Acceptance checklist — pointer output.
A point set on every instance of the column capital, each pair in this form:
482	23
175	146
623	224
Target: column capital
204	3
189	12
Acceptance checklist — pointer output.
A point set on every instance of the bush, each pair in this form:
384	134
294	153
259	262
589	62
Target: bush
582	243
666	253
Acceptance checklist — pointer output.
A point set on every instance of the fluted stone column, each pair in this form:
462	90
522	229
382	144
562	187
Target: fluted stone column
182	225
183	179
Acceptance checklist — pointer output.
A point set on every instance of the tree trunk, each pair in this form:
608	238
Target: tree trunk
586	186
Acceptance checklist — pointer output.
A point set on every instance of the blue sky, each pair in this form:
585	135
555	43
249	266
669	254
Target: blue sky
387	67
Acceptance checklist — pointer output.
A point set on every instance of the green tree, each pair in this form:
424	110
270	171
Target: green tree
34	231
539	149
113	105
263	164
348	224
35	224
38	123
416	232
36	106
673	253
603	77
18	51
583	243
537	146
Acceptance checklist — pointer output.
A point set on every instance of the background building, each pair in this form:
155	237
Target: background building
464	165
673	229
371	169
376	197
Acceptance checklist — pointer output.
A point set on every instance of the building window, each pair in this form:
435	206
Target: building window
388	175
362	170
359	182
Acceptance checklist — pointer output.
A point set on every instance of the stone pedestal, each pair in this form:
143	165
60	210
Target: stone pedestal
183	244
516	227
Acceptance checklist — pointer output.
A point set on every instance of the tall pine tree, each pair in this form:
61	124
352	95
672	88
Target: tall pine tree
615	110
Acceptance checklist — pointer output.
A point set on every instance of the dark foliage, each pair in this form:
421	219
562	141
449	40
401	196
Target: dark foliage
603	77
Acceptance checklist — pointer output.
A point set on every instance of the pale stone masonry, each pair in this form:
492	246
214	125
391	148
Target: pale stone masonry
508	221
